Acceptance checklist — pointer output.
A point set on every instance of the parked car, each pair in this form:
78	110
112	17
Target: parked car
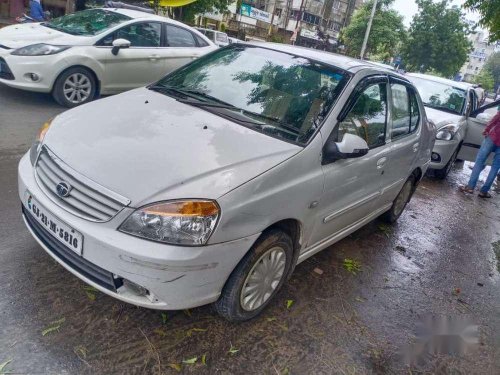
450	105
99	51
212	184
234	40
217	37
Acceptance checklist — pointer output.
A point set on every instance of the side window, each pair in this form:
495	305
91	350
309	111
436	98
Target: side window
414	111
201	41
368	116
107	40
141	34
179	37
400	111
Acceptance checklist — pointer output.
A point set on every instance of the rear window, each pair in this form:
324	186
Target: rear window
222	38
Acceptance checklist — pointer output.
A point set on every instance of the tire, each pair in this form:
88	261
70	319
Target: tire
239	300
442	173
75	86
399	204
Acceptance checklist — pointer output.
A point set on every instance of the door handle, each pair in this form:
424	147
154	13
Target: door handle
154	57
381	162
415	147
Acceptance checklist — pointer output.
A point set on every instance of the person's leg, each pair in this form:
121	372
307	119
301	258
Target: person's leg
486	148
495	167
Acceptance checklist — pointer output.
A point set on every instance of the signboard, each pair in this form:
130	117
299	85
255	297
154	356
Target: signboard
247	10
309	34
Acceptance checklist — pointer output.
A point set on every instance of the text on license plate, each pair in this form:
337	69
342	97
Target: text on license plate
62	232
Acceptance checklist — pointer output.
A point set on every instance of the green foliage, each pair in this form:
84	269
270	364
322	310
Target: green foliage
437	39
352	266
485	78
187	13
493	66
490	15
386	36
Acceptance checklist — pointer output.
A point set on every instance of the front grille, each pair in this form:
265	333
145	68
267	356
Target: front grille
5	72
86	198
70	258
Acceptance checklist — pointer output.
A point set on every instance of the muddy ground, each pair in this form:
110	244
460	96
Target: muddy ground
329	319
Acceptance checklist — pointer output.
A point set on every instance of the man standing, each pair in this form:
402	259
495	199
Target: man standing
490	144
36	11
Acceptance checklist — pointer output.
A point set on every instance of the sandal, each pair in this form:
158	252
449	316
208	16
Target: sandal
484	195
466	189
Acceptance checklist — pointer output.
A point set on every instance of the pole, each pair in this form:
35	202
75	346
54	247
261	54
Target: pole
299	18
272	19
368	29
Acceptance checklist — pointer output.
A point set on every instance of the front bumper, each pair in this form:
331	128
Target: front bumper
175	277
445	150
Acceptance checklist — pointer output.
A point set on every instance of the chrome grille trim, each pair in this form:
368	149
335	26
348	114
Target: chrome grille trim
87	199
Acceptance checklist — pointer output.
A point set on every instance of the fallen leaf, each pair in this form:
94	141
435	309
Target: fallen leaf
91	296
289	303
54	326
319	271
177	367
271	319
204	359
80	351
4	365
359	299
190	361
187	312
233	350
164	318
160	332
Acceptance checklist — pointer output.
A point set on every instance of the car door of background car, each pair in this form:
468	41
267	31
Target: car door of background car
353	185
404	135
183	46
476	124
136	66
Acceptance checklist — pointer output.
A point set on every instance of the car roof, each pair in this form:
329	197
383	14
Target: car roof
329	58
428	77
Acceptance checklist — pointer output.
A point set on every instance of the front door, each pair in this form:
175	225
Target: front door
135	66
476	124
352	186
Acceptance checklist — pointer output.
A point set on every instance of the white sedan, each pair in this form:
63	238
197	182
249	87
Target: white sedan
99	51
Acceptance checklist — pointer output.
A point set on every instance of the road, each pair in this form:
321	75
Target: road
439	259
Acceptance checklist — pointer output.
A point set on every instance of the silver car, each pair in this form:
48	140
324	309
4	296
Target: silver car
212	184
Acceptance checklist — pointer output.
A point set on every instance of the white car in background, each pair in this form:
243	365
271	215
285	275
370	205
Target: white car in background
218	37
99	51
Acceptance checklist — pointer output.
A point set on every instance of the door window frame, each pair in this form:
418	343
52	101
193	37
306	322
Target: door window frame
195	37
362	85
410	89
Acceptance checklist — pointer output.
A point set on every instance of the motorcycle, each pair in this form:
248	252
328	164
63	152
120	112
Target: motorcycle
27	19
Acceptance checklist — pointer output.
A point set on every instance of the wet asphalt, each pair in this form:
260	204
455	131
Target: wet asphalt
441	258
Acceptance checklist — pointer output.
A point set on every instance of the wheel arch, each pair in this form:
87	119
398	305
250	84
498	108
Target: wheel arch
90	70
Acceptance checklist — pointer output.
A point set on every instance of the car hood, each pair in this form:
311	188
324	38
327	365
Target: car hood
149	147
441	118
21	35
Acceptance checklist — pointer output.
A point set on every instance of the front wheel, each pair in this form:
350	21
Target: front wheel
74	87
257	278
444	172
399	204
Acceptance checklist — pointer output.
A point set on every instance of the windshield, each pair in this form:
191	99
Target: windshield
276	93
440	95
87	22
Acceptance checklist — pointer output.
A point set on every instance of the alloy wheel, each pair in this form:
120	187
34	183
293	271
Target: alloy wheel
77	88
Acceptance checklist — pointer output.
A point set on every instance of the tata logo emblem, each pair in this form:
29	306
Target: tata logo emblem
63	189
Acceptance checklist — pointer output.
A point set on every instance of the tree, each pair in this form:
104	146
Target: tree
187	13
386	36
490	15
437	38
493	67
485	78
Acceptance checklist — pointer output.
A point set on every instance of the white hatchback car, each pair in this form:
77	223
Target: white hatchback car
99	51
212	184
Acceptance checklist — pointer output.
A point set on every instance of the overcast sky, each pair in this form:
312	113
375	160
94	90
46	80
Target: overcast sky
408	8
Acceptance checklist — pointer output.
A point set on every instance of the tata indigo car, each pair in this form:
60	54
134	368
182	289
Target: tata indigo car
212	184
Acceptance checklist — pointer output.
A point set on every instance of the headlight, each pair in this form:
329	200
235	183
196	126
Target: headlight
447	132
35	147
39	50
182	222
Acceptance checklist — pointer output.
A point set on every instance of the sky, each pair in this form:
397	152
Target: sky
408	8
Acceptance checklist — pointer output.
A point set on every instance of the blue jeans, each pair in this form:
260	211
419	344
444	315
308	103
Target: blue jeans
486	149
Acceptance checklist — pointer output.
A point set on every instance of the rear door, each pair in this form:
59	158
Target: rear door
135	66
183	46
476	124
352	186
404	133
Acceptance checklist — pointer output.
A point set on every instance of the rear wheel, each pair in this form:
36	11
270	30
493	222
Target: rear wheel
444	172
399	204
257	278
74	87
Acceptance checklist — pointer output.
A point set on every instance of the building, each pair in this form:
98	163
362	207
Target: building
481	51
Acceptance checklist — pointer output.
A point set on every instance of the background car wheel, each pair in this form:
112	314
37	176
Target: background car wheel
74	87
257	278
399	204
444	172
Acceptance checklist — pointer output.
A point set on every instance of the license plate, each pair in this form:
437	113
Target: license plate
59	230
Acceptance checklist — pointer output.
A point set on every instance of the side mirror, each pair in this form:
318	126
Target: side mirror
118	44
352	146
